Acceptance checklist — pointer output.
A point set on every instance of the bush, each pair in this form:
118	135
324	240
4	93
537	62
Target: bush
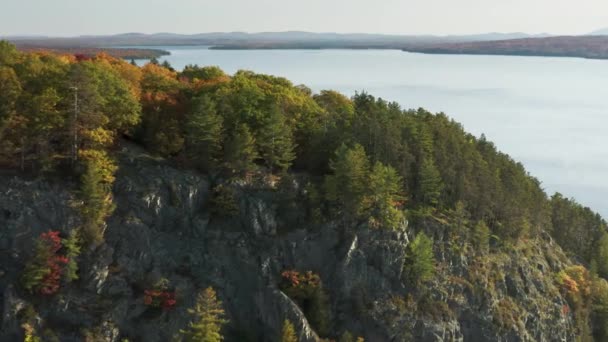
43	272
224	202
419	265
288	332
160	296
307	291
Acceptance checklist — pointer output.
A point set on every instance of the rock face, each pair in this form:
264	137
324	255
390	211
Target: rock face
163	228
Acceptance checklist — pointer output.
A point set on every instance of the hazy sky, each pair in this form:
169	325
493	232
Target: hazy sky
76	17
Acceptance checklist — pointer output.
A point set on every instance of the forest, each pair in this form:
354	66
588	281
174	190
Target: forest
366	160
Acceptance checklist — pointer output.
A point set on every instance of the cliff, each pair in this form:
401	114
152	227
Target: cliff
164	227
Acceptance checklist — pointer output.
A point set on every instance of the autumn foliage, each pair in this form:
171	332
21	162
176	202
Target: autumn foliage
160	296
44	272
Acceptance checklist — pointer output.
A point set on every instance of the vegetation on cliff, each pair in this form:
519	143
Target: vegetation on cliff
366	162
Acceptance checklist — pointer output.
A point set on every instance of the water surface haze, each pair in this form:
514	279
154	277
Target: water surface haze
548	113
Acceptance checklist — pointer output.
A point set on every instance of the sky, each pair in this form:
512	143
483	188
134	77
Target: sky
441	17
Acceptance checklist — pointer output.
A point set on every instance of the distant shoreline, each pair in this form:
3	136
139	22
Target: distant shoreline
124	53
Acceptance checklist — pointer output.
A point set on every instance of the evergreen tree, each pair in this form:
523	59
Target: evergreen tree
385	195
429	183
10	90
601	256
204	133
240	152
275	141
96	194
208	319
288	333
348	185
167	65
420	262
481	237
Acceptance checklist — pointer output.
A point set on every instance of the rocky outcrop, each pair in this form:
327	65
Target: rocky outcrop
163	228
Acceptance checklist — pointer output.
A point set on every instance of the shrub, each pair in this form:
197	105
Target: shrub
288	332
419	265
43	272
160	296
72	247
307	291
224	202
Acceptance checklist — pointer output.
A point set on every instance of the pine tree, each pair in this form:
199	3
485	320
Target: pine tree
240	152
72	246
348	185
10	90
204	133
275	141
288	333
601	256
429	183
420	262
385	195
208	319
96	194
481	237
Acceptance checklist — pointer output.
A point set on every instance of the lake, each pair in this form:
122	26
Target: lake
548	113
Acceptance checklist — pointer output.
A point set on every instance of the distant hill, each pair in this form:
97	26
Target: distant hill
288	39
595	47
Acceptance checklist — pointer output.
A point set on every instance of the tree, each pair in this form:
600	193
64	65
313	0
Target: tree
8	53
348	185
204	133
275	141
288	333
240	152
420	262
429	183
96	194
208	319
481	237
10	90
385	187
206	73
601	256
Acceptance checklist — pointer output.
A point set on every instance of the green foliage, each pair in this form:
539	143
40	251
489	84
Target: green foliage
204	133
275	141
599	316
72	247
288	332
306	289
10	90
96	194
224	202
346	188
207	319
207	73
240	152
429	183
481	237
385	188
37	268
601	256
420	262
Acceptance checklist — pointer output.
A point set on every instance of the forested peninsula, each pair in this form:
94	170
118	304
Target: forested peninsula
149	204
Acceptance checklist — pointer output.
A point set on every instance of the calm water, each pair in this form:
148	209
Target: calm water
548	113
